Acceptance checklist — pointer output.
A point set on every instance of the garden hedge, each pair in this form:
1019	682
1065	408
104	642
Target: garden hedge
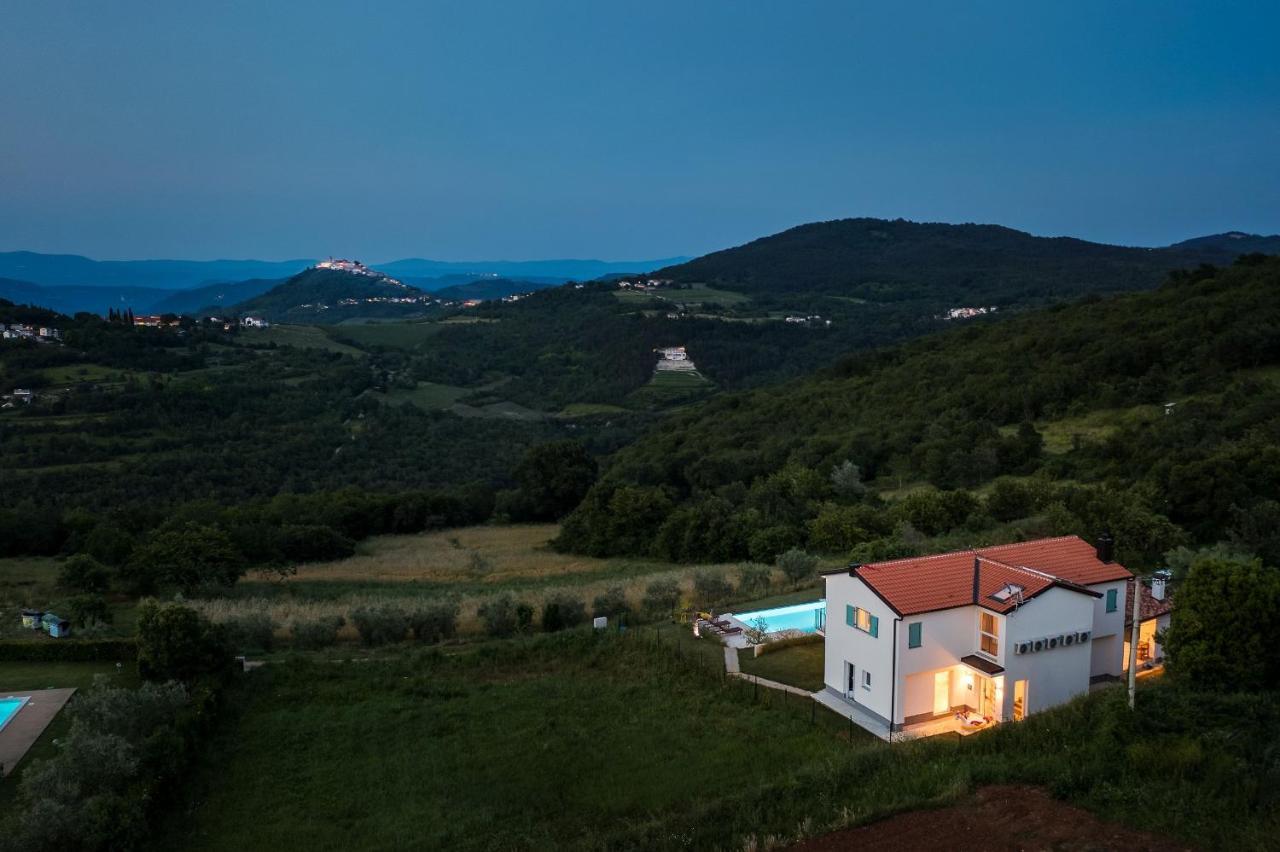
68	650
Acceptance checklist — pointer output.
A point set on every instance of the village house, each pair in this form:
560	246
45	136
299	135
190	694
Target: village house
1155	610
254	322
964	640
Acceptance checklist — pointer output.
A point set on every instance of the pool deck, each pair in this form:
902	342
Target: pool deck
29	723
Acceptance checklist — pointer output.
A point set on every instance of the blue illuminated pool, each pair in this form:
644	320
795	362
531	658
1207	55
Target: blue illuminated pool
9	708
807	617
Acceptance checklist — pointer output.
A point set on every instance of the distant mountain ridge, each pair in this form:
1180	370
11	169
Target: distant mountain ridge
325	295
891	260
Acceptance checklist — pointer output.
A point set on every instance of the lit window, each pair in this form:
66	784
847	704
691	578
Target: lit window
863	620
989	634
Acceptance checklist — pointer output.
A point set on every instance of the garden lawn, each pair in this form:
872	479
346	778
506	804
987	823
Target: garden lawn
795	665
563	742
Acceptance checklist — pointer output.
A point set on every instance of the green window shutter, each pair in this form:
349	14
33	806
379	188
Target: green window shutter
913	634
848	614
875	626
1111	600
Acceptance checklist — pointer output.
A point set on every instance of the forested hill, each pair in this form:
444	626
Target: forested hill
317	295
1073	394
883	261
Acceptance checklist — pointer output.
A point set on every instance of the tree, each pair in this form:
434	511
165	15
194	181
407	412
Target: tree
846	481
1224	626
710	587
499	615
82	573
562	611
797	565
661	597
612	602
177	643
190	557
89	609
754	580
553	479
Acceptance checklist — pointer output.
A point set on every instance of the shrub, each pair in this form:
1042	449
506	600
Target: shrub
69	650
87	609
661	597
562	611
253	631
434	622
499	615
524	617
797	565
765	545
754	580
789	642
316	633
612	602
83	573
177	643
109	544
379	625
710	587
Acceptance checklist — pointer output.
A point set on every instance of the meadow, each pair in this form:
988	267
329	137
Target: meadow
469	564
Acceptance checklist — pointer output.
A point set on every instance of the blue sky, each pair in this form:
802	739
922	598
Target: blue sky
589	129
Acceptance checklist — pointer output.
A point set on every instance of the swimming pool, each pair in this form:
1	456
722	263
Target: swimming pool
9	707
807	617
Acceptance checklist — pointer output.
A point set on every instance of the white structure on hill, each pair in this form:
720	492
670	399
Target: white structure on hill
674	358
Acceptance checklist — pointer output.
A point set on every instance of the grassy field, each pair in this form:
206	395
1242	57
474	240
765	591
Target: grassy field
570	742
400	335
301	336
428	396
697	294
588	409
668	387
469	564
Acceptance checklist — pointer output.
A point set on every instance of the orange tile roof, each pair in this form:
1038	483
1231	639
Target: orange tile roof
1150	607
966	577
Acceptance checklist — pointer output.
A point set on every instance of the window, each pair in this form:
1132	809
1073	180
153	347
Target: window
866	679
913	634
989	634
1112	594
862	620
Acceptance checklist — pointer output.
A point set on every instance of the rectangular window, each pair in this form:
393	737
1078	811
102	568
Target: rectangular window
866	679
1112	594
862	620
848	614
913	634
989	634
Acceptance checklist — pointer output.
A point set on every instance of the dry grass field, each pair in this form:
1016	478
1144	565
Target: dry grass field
467	564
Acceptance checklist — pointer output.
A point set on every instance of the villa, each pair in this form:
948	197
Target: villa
964	640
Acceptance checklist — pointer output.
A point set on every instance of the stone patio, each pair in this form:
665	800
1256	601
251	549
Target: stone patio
29	723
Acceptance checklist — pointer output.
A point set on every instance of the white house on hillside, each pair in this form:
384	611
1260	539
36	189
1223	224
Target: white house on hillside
968	639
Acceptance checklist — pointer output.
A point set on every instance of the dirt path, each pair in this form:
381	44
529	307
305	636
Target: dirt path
995	819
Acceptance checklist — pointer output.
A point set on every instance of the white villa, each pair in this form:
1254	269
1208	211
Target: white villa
964	640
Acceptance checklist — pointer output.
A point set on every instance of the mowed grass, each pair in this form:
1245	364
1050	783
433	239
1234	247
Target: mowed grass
398	335
428	396
300	336
795	665
569	742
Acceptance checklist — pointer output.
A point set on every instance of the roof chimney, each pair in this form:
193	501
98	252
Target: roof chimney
1158	584
853	568
1106	547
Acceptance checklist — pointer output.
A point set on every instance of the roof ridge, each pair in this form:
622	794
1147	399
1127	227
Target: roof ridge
976	551
1027	568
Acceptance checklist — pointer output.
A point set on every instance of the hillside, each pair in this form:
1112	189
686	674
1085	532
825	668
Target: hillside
1073	395
329	295
74	269
490	288
72	299
881	260
218	296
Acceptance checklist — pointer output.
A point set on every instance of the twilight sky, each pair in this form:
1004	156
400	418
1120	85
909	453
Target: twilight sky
468	130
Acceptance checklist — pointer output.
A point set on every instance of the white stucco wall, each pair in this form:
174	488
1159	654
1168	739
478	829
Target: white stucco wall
845	644
1108	655
1053	675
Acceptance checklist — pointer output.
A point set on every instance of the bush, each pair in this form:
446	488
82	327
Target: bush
765	545
499	615
83	573
612	603
317	633
434	622
252	632
524	617
789	642
797	565
379	625
661	597
87	609
562	611
177	643
710	587
754	580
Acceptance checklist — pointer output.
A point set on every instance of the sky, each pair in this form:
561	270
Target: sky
544	129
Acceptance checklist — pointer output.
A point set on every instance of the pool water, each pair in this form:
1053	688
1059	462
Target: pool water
8	709
806	617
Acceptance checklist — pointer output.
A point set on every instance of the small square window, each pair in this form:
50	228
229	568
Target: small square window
866	679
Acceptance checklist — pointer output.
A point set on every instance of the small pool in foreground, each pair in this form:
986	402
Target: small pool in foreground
806	617
9	708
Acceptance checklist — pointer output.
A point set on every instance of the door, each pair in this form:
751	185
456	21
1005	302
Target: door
850	681
1019	700
988	708
942	692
